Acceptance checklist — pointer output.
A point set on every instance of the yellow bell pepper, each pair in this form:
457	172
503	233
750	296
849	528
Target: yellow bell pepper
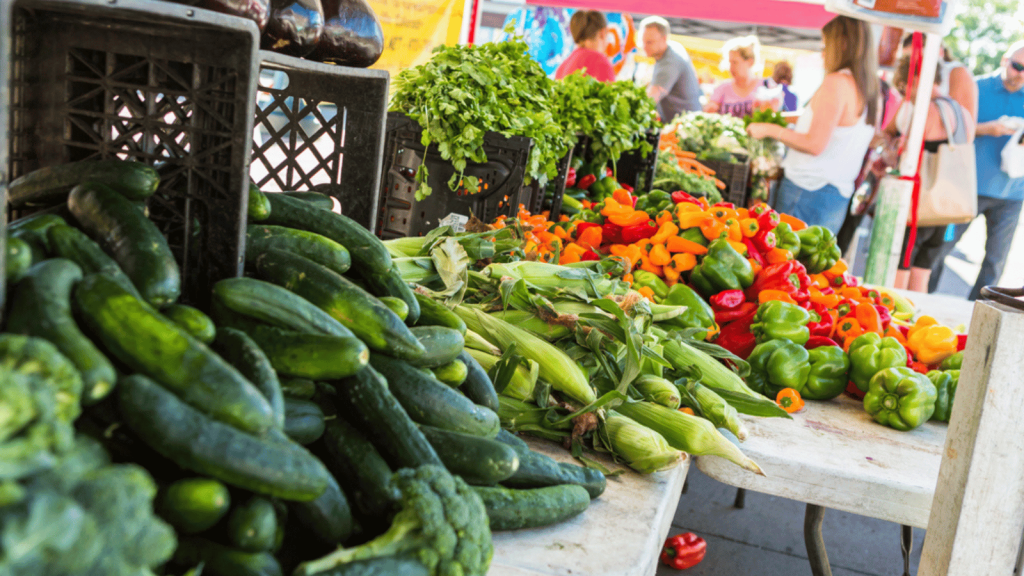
932	344
922	322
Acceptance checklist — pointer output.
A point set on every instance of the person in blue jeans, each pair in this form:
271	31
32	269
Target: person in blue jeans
1000	197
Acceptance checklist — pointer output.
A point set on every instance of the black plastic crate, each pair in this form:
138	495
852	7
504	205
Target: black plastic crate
735	175
636	169
160	83
501	182
321	127
538	194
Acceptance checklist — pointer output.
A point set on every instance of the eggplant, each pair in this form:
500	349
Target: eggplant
295	27
352	34
255	10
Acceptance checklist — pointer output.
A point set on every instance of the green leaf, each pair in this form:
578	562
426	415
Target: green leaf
744	404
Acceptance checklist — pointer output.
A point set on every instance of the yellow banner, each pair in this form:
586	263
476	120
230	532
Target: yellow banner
412	28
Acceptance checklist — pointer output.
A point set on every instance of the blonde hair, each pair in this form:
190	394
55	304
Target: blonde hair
848	45
748	47
586	24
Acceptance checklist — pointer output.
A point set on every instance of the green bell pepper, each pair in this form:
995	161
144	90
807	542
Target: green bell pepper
643	278
778	364
698	312
786	239
723	268
827	379
954	362
818	250
945	382
870	354
776	319
900	398
603	188
694	235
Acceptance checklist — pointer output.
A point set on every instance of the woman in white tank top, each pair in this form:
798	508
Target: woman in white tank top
833	134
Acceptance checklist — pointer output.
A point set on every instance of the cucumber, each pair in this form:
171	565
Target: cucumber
245	355
477	385
433	313
442	345
135	243
322	201
430	402
537	470
370	320
195	442
510	509
50	185
366	400
480	461
71	243
33	231
362	472
260	237
313	356
368	253
252	525
137	335
397	305
41	306
303	421
219	560
18	261
192	321
259	206
300	388
275	305
391	284
453	374
329	517
193	505
402	565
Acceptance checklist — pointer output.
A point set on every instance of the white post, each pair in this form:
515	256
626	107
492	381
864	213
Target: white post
977	515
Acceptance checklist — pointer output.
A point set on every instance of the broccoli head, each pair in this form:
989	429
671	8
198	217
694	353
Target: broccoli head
441	522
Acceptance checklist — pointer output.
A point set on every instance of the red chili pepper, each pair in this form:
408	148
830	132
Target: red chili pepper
727	300
570	178
765	239
632	234
760	209
753	253
728	205
611	234
589	255
768	220
679	196
961	342
884	316
683	551
737	338
743	310
789	277
628	188
585	182
582	227
819	341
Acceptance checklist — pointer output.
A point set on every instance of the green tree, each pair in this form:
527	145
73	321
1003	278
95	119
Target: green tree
983	30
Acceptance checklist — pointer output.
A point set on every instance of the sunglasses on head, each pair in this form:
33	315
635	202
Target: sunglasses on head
1017	66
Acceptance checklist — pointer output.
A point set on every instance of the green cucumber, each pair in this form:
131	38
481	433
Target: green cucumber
322	201
510	509
137	335
370	320
50	185
192	321
193	505
220	560
479	461
432	313
135	243
260	237
33	231
195	442
366	400
259	206
303	421
71	243
313	356
18	261
239	350
432	403
41	306
453	374
362	472
391	284
329	517
477	385
537	470
275	305
442	344
252	525
368	253
301	388
397	305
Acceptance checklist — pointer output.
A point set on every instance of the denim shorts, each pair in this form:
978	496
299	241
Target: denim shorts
822	207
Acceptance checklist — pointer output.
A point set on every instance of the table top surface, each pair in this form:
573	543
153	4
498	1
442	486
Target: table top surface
620	534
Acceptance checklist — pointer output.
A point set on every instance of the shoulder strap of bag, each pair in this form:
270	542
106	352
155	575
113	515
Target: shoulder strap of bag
957	134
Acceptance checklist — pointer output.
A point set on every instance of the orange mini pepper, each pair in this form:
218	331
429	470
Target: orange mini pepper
568	258
769	295
632	218
742	214
750	227
663	217
646	264
680	244
738	246
687	207
693	219
755	266
703	201
776	255
659	255
590	238
819	280
671	274
683	262
827	300
838	269
622	196
735	230
847	326
628	278
712	229
789	400
868	318
722	213
643	246
893	332
795	223
647	292
666	231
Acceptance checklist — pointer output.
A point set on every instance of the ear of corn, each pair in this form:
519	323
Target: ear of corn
531	323
523	380
553	277
418	270
682	356
719	412
643	449
474	341
658	390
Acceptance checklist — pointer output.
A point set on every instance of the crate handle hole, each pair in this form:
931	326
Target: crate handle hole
423	214
275	80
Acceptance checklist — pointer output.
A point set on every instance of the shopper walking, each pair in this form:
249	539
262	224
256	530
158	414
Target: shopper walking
674	84
590	33
782	77
832	135
738	95
953	79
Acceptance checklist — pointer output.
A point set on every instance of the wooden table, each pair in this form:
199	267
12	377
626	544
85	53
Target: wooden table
620	534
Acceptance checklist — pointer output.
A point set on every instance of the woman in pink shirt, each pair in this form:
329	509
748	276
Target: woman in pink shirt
589	31
737	97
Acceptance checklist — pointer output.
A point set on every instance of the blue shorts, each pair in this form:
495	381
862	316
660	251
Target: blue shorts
822	207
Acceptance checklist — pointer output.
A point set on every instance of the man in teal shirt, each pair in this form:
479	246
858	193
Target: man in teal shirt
1000	197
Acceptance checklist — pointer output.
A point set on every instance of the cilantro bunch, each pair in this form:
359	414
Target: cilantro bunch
462	92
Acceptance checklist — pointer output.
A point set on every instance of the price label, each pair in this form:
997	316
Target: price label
456	221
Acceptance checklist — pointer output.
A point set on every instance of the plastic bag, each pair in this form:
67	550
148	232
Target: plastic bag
1013	155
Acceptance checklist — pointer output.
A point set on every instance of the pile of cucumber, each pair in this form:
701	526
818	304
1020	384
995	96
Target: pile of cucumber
273	420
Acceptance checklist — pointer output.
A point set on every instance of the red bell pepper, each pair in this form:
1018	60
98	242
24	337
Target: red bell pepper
728	205
570	178
638	232
611	234
737	338
683	551
768	221
679	196
753	253
819	341
905	330
609	172
961	342
589	255
884	316
852	390
628	188
765	240
823	327
761	208
727	300
585	182
582	227
920	367
745	309
789	277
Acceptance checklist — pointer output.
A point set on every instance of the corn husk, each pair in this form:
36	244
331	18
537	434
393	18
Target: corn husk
475	341
643	449
719	412
546	276
658	390
532	323
682	356
417	270
524	380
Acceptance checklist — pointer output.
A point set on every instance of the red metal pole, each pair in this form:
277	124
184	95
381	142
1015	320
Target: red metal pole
471	37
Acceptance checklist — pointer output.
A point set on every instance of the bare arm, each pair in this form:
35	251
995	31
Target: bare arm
994	128
963	89
827	113
656	92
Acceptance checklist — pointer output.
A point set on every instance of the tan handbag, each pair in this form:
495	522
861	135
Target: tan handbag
949	187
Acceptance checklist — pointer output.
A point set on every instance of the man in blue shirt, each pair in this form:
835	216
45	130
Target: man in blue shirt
1000	197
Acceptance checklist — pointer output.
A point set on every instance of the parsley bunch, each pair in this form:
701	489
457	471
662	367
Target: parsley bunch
464	91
